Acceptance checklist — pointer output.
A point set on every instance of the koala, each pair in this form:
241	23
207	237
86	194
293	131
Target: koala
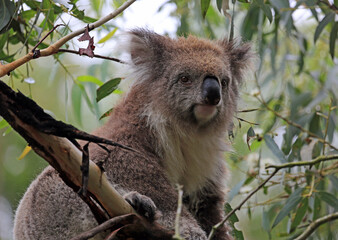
175	114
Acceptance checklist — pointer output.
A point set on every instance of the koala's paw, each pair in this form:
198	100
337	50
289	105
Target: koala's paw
142	204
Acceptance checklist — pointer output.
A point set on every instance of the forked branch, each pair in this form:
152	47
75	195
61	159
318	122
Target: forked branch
54	48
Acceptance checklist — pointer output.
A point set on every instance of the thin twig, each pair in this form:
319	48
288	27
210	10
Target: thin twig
52	49
95	55
102	227
178	213
243	120
52	30
315	224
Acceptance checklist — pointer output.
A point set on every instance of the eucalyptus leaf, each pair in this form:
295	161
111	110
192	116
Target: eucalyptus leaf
232	220
107	88
329	199
204	7
7	10
274	148
291	204
326	20
333	39
300	213
76	96
88	78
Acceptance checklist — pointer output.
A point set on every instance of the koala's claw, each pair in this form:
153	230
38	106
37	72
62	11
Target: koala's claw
142	204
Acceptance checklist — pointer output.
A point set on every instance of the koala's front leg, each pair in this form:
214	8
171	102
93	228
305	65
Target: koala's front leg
207	206
147	186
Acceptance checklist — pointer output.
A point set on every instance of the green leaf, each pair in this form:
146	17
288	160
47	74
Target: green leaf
316	208
27	15
326	20
3	123
274	148
88	78
290	204
219	5
107	113
7	10
76	102
333	39
84	93
108	36
235	190
266	9
300	213
232	220
204	7
249	135
107	88
329	199
334	181
266	221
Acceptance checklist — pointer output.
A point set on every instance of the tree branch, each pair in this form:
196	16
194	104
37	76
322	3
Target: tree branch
61	153
304	163
52	49
95	55
315	224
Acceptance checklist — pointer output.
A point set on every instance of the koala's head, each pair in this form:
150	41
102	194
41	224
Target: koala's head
189	81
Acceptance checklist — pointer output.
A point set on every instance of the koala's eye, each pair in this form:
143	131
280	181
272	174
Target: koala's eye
225	81
185	80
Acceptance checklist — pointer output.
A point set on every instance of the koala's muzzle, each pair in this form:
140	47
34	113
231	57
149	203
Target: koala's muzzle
211	91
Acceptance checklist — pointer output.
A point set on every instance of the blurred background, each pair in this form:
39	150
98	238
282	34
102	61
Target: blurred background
295	84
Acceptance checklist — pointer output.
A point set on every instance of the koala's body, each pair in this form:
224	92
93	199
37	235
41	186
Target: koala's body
176	115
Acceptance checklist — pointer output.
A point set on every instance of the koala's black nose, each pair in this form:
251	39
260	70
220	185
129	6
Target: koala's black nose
211	91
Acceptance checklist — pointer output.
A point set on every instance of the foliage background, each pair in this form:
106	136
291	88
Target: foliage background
297	78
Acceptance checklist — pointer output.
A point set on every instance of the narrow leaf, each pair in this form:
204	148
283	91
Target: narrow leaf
290	204
3	123
265	221
333	39
334	181
106	114
108	36
76	102
232	220
25	152
249	135
204	7
219	5
107	88
274	148
266	9
328	18
300	214
88	78
328	198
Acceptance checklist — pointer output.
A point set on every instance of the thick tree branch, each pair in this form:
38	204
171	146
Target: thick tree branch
52	49
61	153
315	224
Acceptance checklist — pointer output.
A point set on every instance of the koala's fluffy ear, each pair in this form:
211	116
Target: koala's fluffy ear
241	57
145	46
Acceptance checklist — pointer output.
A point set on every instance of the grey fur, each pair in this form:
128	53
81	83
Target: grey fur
163	116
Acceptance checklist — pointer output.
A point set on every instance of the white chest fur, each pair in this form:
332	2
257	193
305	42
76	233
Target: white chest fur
192	160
